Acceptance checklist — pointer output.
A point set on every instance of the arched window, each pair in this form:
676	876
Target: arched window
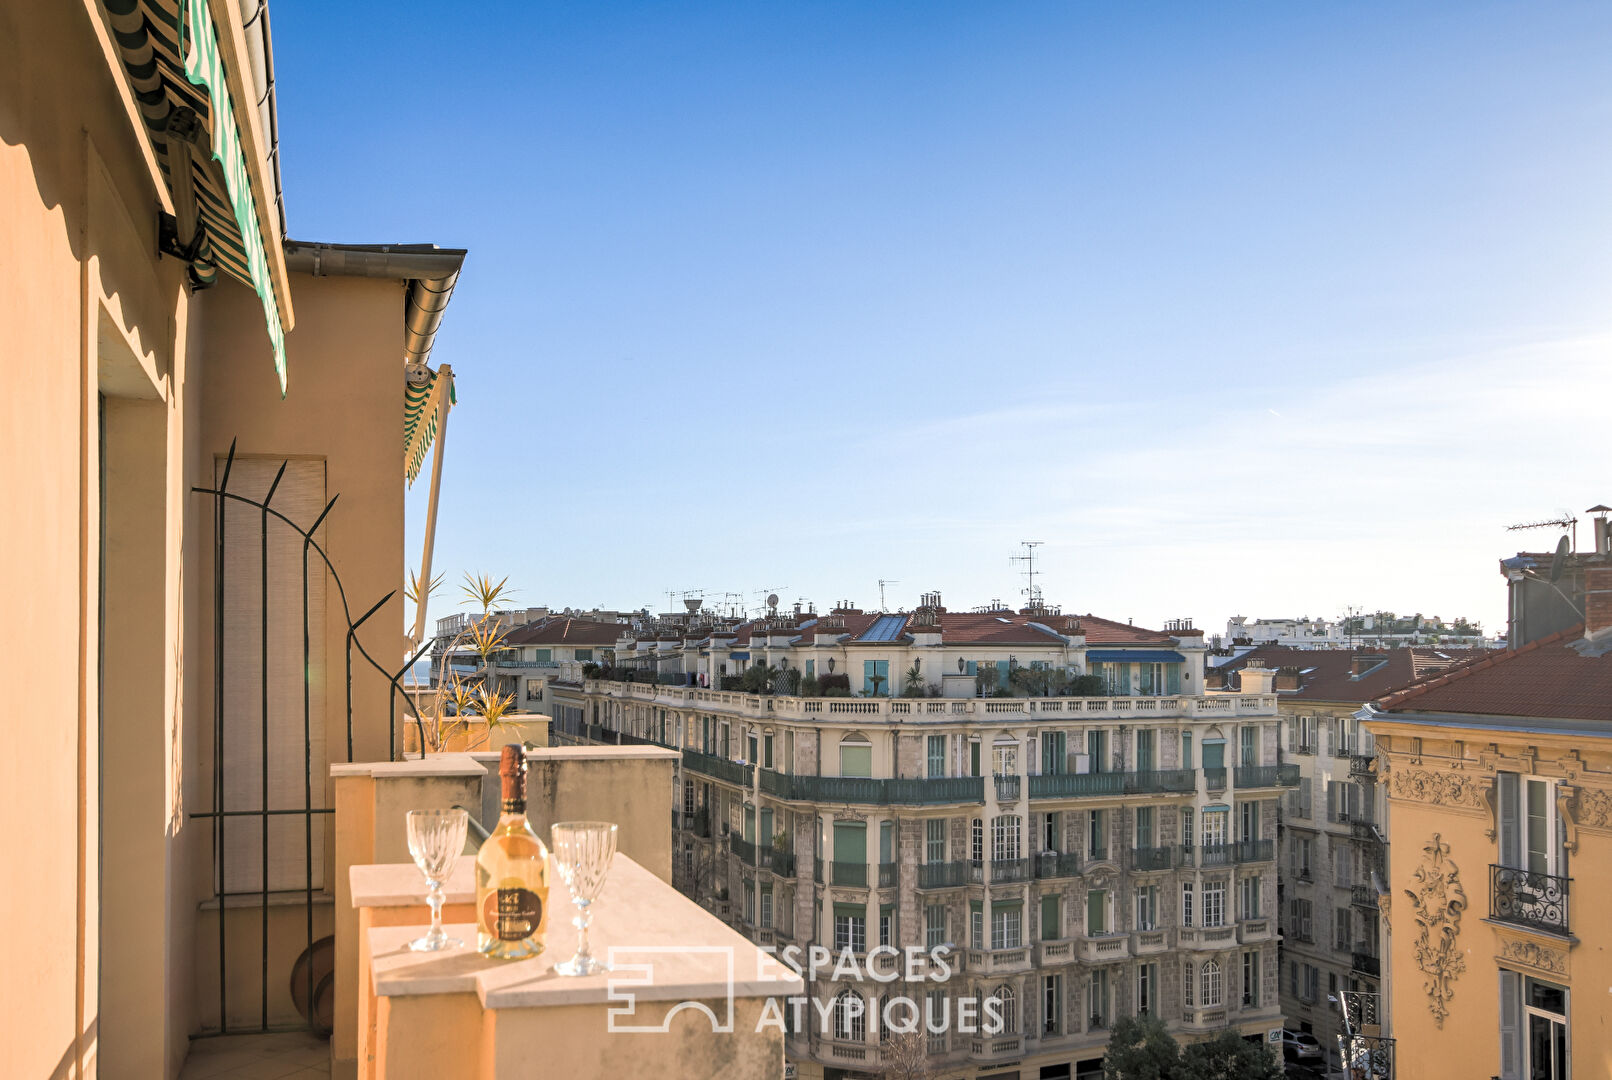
1209	984
1008	1008
850	1021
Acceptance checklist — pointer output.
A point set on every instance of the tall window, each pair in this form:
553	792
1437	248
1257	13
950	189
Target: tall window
1189	982
1251	979
876	677
1051	831
1144	826
1214	828
1051	917
1214	903
935	840
1006	927
1005	838
688	796
1248	820
976	846
1340	929
1147	907
850	1021
976	925
766	907
1147	983
1533	1028
766	751
856	756
1246	737
1248	898
1530	834
850	929
887	924
1097	750
1186	827
937	756
1146	756
1186	750
1097	996
1209	984
1096	912
1008	1009
1051	1004
1186	903
1097	834
1005	759
934	925
1054	753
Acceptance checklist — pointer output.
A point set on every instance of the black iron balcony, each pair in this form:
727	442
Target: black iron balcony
1010	870
1363	896
1523	897
1053	864
873	791
718	767
1007	788
1150	858
851	873
949	875
1252	851
1217	854
1364	829
1370	1057
1366	964
742	848
1214	779
698	823
781	863
1143	782
1260	776
1360	765
887	874
1097	854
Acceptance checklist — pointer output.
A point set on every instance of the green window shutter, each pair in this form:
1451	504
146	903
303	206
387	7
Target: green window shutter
856	759
886	909
885	845
766	827
544	655
811	669
750	824
1096	912
850	842
1050	928
974	758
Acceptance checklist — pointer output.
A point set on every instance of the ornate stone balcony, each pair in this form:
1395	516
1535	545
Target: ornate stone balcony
1105	948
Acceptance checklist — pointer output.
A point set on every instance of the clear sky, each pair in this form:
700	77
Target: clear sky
1259	309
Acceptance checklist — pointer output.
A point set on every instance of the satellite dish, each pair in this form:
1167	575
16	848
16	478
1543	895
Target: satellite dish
1559	560
772	600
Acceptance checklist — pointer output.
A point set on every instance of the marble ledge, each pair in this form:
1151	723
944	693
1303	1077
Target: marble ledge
382	885
665	948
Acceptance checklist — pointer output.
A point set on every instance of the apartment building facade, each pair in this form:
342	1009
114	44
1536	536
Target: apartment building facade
1499	782
1082	858
1333	836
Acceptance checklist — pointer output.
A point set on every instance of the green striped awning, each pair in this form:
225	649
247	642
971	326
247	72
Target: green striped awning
422	409
173	61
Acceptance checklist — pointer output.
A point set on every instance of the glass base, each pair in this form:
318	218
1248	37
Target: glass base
581	965
435	944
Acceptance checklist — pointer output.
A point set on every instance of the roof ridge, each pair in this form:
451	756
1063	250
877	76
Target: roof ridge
1461	671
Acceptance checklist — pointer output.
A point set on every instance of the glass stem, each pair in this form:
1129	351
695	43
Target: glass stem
582	931
435	898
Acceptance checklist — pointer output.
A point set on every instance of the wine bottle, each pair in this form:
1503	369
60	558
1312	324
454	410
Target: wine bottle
512	873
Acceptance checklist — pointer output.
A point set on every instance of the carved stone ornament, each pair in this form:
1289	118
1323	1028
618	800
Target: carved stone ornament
1534	955
1436	904
1594	808
1442	789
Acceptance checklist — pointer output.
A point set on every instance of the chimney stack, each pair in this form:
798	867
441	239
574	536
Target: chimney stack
1597	600
1256	678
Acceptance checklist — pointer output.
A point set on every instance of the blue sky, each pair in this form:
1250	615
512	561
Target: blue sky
1257	309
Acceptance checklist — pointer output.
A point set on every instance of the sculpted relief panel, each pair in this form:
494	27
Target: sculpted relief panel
1437	902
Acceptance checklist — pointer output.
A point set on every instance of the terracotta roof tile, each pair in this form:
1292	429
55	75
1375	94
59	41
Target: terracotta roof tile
1545	679
563	631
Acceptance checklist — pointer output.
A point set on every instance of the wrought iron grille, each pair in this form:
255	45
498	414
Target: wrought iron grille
233	715
1528	898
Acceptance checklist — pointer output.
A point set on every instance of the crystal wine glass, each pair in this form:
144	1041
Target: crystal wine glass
582	852
436	839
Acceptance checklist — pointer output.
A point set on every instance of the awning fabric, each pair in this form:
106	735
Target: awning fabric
149	35
1134	656
422	411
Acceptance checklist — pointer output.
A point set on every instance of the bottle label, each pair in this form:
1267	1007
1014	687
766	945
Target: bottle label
512	914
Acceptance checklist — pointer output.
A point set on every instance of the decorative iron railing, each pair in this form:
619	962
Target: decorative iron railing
1528	898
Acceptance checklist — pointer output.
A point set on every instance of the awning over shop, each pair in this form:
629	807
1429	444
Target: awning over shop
1134	656
170	50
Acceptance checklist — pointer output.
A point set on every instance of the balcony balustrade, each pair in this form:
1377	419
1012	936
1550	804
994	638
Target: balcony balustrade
1151	858
1105	948
1056	864
998	961
1147	942
719	768
1254	851
1007	788
1526	898
1048	953
1264	776
1363	896
1097	854
1252	930
1217	854
1360	765
887	875
873	791
950	875
989	1049
1010	870
1214	779
1366	964
1205	937
1079	785
851	873
1204	1019
1364	829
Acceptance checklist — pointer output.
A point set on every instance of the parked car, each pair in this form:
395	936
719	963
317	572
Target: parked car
1300	1046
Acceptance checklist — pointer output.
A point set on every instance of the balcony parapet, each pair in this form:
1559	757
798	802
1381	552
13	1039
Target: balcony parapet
1525	898
1265	776
1105	948
1149	942
950	875
998	961
873	791
1206	937
1083	785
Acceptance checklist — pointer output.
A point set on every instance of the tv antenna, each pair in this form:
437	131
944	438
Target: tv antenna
1563	520
772	597
882	583
1032	591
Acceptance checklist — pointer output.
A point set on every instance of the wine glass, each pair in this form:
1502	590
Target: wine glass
582	852
436	839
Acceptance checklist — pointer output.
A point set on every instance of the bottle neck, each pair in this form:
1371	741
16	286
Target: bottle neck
513	807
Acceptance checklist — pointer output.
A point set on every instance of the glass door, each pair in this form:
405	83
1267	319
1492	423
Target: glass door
1545	1010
